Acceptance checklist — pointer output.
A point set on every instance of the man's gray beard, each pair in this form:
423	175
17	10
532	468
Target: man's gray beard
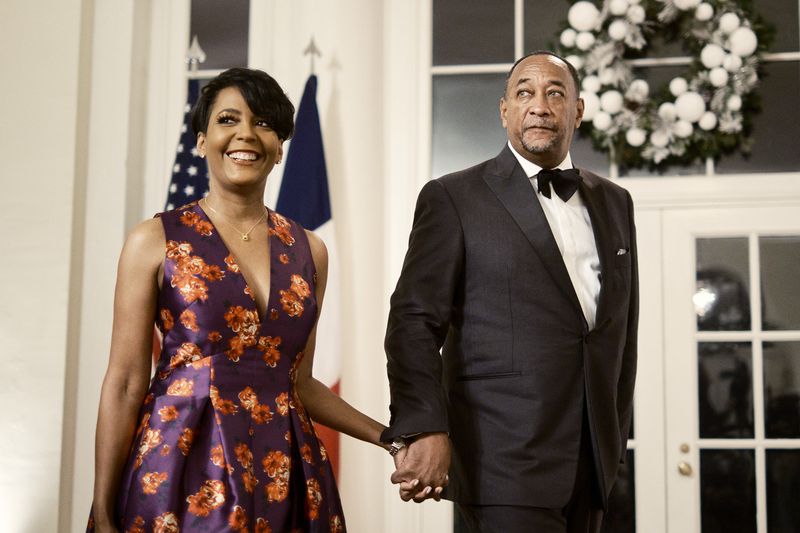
541	148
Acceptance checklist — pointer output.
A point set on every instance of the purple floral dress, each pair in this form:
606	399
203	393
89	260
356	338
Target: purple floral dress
223	442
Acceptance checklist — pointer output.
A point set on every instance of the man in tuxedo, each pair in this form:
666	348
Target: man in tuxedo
524	276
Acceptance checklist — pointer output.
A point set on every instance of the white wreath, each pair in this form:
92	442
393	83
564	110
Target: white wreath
703	112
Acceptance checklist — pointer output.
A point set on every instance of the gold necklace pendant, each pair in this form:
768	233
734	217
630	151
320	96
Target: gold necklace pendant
245	236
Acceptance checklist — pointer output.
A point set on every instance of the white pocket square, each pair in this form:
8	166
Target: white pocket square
622	251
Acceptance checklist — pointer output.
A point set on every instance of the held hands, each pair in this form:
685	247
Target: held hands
421	467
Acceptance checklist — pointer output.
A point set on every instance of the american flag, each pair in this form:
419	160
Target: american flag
189	173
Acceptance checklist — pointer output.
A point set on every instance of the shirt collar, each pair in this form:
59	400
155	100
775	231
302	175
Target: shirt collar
532	169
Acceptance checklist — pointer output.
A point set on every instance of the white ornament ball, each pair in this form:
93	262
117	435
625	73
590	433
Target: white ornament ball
638	91
678	86
584	40
686	5
591	104
734	103
636	14
602	121
683	129
690	106
583	16
667	111
635	137
618	7
743	42
611	102
708	121
718	76
568	38
732	63
729	22
607	76
591	84
712	55
575	61
618	29
704	12
659	139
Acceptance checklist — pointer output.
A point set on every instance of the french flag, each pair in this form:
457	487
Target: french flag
304	198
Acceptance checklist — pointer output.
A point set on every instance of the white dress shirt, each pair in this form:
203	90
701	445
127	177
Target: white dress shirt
572	228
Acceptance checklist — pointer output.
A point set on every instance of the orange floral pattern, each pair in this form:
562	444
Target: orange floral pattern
277	466
226	407
168	413
137	526
281	228
166	523
262	526
167	321
189	320
270	347
210	496
152	480
193	220
185	441
238	520
313	498
292	299
181	387
243	322
305	453
152	438
282	403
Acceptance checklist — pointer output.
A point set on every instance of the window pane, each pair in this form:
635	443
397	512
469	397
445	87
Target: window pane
621	516
783	486
542	24
722	299
783	16
782	389
466	120
727	491
780	292
725	389
776	128
222	29
469	32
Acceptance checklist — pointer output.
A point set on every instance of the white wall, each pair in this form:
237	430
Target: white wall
41	164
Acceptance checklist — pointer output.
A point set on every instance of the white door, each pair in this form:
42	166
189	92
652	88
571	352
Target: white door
732	369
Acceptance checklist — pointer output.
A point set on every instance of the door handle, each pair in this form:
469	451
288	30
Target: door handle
685	469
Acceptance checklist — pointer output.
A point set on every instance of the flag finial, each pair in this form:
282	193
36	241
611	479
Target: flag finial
195	55
312	50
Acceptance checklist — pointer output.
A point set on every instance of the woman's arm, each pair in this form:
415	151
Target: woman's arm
129	363
319	401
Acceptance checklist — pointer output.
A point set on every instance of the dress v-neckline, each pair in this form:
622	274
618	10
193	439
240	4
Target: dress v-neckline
248	286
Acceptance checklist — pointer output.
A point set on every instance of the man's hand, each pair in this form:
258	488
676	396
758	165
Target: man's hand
421	467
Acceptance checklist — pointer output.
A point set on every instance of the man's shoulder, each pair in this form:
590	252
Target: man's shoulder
467	176
600	181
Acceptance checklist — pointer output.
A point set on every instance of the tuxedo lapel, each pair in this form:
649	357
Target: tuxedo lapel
512	187
593	197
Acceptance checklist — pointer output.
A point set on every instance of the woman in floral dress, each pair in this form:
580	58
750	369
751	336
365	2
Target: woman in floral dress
220	439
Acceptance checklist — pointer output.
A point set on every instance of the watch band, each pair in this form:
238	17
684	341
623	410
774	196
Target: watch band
397	445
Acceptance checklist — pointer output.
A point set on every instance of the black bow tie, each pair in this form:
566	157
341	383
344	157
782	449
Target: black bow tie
565	182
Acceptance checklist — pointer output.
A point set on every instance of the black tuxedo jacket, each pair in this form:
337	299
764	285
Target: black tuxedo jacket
483	280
